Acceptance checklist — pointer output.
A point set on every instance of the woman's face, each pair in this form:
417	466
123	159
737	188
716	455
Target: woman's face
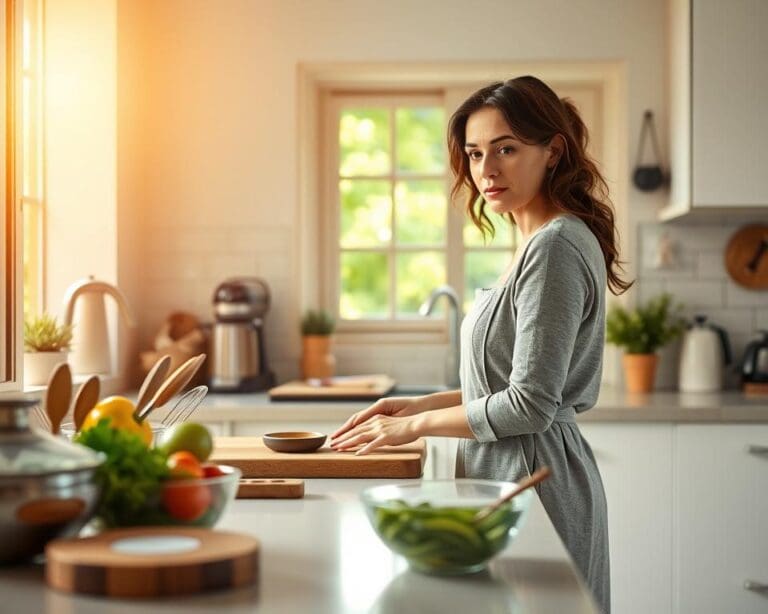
507	172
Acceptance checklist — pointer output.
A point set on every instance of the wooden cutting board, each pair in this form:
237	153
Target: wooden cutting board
270	488
358	388
255	460
152	561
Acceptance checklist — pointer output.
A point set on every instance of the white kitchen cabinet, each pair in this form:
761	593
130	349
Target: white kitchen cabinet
635	461
721	518
718	124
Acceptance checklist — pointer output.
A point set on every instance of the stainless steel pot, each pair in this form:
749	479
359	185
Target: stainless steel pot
47	485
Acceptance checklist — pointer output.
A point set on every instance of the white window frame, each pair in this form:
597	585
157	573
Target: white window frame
455	80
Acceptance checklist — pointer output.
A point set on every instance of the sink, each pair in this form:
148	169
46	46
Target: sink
412	390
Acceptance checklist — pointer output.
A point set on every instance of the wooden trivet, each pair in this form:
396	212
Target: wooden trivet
152	561
259	488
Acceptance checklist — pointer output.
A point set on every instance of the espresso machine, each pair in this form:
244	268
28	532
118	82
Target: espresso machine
239	362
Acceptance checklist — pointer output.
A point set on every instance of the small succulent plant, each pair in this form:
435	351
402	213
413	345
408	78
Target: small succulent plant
317	322
43	334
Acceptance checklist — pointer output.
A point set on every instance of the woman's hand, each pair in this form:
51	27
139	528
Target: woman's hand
378	430
389	406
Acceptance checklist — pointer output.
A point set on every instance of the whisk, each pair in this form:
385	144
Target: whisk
185	405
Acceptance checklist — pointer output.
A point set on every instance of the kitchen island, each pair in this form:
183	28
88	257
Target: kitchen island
319	554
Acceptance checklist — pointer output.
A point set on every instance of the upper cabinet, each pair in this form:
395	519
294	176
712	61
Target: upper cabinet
719	97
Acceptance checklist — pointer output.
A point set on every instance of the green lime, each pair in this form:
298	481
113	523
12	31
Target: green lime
187	437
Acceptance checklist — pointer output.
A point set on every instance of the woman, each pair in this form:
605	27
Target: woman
532	346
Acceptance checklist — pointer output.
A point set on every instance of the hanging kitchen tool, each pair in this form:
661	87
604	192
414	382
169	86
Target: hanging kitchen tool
152	382
648	177
174	384
58	395
746	257
85	400
84	305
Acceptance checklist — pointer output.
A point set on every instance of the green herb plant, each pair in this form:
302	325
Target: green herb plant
43	334
317	322
646	328
130	477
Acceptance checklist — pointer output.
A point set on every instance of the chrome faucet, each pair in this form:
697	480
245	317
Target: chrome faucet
454	323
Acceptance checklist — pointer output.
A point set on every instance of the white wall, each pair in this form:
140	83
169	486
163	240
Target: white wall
208	117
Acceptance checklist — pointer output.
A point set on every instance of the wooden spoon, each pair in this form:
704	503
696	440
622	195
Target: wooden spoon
537	476
151	383
86	398
58	395
175	383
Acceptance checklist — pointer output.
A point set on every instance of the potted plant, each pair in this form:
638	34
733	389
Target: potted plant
641	332
317	361
46	344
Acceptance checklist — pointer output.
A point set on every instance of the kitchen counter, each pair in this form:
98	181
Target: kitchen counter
613	405
319	554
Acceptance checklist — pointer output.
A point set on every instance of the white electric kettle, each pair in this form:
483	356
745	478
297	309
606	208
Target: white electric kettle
706	350
84	306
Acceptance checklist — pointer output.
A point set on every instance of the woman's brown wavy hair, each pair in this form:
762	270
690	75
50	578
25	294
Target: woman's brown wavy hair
536	114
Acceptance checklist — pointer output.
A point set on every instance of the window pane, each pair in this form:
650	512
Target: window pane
421	212
418	273
481	270
366	212
364	285
364	142
420	139
505	235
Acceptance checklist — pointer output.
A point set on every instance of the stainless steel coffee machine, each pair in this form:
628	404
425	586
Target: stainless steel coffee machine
238	359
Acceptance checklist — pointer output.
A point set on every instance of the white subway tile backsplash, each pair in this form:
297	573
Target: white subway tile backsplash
698	279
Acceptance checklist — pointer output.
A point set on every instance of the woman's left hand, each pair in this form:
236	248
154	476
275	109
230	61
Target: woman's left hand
378	431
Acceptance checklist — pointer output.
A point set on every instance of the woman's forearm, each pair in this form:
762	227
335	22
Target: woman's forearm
439	400
445	422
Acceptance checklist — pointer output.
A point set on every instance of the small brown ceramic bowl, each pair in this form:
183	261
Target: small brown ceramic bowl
294	441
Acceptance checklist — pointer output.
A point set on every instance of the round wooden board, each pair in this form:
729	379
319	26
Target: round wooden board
152	561
740	254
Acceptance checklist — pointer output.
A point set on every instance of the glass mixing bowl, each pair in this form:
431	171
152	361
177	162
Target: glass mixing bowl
432	523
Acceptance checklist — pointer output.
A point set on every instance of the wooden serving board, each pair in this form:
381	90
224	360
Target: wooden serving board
270	488
363	388
152	561
255	460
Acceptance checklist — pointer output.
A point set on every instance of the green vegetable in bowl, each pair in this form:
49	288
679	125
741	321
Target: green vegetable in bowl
130	477
444	539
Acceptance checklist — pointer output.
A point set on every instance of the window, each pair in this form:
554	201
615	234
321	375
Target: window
31	130
392	236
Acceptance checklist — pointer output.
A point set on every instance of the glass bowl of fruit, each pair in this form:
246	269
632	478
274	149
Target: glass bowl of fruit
168	483
434	524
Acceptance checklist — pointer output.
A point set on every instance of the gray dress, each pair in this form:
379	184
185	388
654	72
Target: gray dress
531	357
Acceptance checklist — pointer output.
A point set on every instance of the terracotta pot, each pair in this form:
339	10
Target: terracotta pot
640	371
317	361
39	365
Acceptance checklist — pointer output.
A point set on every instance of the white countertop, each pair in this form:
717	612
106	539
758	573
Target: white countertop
612	406
319	554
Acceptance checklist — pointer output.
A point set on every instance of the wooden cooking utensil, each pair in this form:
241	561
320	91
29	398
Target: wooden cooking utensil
151	383
152	561
58	395
537	476
175	383
86	398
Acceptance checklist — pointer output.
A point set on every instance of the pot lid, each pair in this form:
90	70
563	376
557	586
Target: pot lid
26	451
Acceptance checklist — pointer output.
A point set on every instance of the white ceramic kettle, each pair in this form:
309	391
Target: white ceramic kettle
706	350
84	306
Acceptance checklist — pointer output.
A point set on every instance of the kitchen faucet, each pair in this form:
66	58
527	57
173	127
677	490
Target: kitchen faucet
454	322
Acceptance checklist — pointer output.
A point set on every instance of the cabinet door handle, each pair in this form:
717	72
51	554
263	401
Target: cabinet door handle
760	450
758	587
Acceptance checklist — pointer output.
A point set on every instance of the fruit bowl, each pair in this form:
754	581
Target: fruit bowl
68	430
432	523
192	502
